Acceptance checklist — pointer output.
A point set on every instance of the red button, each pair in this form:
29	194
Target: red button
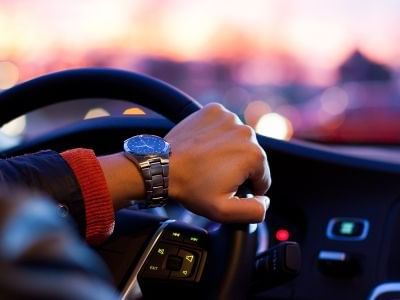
282	235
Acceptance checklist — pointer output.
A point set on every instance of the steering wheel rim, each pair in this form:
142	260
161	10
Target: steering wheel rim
237	242
96	83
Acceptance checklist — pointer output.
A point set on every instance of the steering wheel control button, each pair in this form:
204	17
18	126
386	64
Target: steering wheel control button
189	262
347	229
173	235
174	263
337	264
156	266
154	269
193	239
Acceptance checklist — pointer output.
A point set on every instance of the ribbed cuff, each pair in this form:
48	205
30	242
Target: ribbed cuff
99	210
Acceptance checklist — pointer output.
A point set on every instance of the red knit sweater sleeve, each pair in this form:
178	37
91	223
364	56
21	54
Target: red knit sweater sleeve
99	210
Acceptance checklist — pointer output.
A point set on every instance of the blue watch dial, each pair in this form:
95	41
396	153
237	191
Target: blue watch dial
146	145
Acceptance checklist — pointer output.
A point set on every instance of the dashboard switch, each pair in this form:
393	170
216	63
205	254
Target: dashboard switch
337	264
347	229
278	265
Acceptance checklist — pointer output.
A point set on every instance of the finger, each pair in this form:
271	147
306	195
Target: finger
261	182
260	177
242	210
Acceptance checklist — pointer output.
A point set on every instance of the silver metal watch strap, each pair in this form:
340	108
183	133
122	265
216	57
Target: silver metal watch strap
155	174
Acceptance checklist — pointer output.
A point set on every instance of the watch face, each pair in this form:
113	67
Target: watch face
145	145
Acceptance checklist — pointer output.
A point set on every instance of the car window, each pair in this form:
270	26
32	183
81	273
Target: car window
326	71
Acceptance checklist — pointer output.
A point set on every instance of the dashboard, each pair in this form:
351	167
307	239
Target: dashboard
315	190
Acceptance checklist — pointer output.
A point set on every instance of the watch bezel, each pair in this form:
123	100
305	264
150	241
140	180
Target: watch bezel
166	151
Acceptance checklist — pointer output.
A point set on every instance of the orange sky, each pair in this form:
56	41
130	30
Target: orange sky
318	34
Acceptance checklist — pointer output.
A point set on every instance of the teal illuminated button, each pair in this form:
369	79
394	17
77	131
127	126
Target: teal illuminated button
347	229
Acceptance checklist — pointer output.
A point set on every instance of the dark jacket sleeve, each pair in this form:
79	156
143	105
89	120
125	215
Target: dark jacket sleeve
41	257
47	172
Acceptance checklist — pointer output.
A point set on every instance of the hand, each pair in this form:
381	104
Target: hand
213	153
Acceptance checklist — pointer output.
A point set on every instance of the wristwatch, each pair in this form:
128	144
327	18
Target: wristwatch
151	155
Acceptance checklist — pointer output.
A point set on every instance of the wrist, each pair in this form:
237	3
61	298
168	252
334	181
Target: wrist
124	179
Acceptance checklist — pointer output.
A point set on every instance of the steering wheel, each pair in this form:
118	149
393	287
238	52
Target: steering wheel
228	265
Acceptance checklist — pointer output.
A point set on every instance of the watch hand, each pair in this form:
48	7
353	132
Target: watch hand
142	142
146	144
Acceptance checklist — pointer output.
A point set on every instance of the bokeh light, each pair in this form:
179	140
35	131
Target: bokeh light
254	111
275	126
134	111
96	112
15	127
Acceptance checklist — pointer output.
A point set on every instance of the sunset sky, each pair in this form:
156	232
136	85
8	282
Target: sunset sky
316	34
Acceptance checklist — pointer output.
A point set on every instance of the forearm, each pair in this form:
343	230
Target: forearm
89	189
48	173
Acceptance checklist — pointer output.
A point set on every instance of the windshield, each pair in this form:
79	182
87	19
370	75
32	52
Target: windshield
307	69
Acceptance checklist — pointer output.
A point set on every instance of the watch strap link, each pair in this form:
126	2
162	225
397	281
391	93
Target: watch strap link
155	174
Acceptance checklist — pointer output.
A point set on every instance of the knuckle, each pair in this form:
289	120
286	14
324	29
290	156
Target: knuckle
261	155
246	131
214	108
258	154
231	118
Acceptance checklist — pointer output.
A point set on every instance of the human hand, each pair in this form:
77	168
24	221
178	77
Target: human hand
213	153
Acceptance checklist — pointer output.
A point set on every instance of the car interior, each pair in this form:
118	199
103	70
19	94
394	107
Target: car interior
331	229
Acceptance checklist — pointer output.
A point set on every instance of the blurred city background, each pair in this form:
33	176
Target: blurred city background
326	71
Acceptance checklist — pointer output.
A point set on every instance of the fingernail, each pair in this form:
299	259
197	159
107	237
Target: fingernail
267	202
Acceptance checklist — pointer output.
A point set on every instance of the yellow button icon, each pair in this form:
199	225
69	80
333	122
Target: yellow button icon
189	258
176	234
184	272
161	251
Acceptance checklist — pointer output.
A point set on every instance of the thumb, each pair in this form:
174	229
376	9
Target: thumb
242	210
